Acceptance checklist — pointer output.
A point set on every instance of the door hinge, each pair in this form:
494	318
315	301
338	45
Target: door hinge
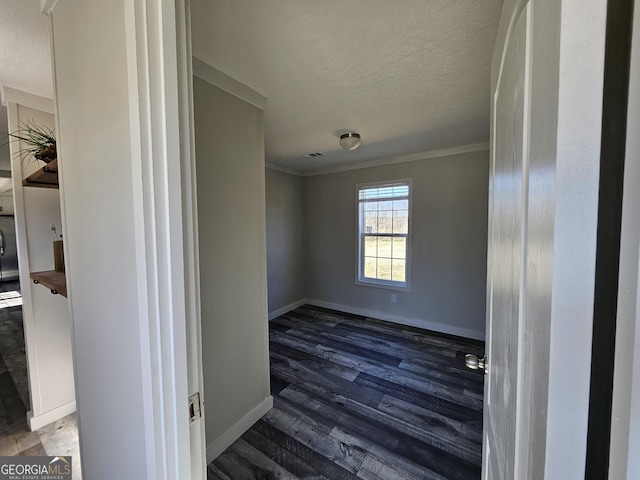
194	407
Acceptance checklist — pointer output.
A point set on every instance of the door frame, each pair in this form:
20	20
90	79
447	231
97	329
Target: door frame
197	444
164	74
612	163
624	424
158	49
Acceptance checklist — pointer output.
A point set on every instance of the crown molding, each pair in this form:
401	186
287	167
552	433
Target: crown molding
215	77
445	152
12	95
280	168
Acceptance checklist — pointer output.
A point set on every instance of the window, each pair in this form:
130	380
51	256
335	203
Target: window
383	234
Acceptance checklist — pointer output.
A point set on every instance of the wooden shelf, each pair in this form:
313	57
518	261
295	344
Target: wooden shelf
45	177
54	281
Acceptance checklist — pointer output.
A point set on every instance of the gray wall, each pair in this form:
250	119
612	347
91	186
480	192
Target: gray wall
285	239
449	236
233	270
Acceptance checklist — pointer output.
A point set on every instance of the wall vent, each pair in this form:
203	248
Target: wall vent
313	155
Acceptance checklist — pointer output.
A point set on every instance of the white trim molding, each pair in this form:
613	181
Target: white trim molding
361	234
12	95
279	168
413	157
287	308
237	430
39	421
215	77
378	315
198	443
160	124
445	152
401	320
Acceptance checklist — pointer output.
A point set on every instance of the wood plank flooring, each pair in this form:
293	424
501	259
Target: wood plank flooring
362	398
16	438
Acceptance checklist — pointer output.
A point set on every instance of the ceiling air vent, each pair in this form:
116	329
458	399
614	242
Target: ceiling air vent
313	155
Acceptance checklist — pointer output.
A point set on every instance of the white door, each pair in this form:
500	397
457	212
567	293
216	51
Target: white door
507	249
546	103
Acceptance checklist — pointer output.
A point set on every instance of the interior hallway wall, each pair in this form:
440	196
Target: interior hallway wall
233	266
285	240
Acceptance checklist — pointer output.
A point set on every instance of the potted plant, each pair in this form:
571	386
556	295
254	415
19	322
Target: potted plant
37	141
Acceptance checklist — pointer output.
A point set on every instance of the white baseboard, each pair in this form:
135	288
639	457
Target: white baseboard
410	322
287	309
236	431
36	422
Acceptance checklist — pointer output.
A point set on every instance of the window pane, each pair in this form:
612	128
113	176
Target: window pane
398	270
370	267
384	191
384	269
401	221
401	204
370	222
384	247
370	246
385	224
400	248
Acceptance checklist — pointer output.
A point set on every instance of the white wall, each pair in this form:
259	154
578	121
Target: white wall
98	182
285	240
449	244
233	276
46	319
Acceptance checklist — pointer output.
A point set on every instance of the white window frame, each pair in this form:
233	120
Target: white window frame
369	282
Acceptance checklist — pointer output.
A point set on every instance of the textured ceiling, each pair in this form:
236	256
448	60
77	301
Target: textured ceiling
25	55
410	76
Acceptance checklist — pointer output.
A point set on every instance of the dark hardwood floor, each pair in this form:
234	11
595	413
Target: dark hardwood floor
362	398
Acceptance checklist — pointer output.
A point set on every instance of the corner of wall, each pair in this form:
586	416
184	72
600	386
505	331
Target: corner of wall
287	308
225	440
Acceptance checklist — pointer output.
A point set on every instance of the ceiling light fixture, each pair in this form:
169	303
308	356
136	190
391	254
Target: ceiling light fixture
350	141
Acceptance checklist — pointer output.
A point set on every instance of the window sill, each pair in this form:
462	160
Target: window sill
384	285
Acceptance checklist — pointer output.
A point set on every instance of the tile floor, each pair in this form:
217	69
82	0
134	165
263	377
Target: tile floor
57	438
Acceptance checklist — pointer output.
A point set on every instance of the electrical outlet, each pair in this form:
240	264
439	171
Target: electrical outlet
394	298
